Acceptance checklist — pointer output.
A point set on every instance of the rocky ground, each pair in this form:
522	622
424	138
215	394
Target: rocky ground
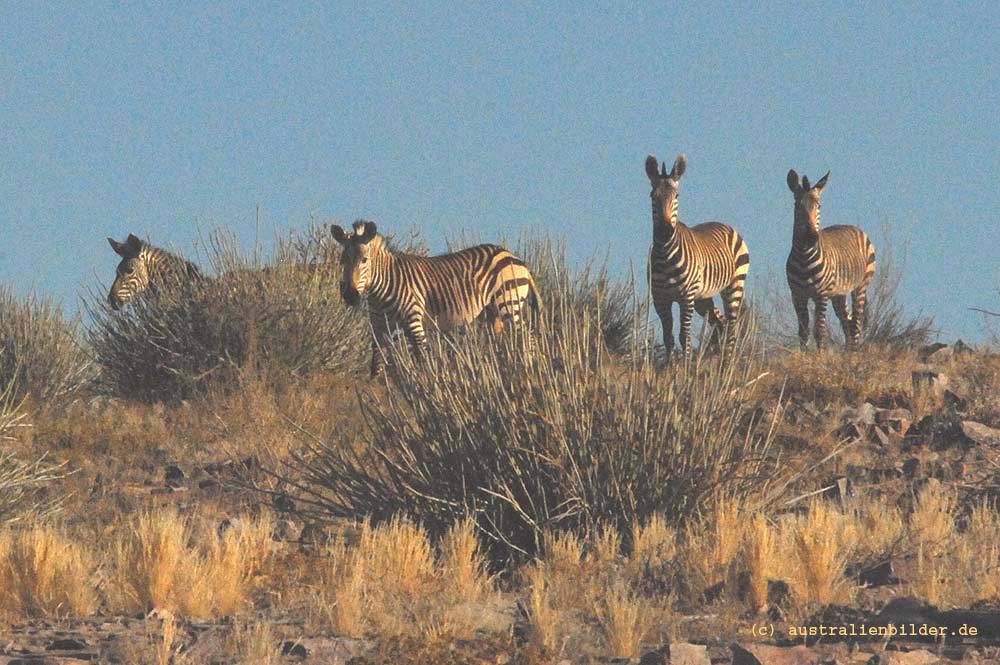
942	429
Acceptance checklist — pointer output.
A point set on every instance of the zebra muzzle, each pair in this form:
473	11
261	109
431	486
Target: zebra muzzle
350	295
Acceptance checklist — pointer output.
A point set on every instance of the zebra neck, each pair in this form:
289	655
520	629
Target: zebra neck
381	276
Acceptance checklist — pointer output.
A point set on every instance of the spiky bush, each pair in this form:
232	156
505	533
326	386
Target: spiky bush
41	357
589	291
531	433
281	317
22	487
887	323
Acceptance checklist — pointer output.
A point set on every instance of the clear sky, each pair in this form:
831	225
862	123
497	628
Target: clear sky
169	118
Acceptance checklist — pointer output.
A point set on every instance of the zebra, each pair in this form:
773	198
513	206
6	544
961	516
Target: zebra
826	264
485	282
690	265
146	267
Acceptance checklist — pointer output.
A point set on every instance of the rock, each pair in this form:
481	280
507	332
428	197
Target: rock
766	654
283	503
980	434
66	644
294	649
878	574
653	658
925	353
173	474
880	437
956	396
906	610
863	415
741	656
918	657
929	380
896	420
286	530
689	654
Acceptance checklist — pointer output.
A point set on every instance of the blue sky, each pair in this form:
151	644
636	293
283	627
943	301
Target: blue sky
172	118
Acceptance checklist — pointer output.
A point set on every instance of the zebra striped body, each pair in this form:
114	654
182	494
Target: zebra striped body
485	282
826	265
690	265
146	267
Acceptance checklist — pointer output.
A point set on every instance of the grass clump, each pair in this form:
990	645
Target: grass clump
44	573
161	563
41	357
395	582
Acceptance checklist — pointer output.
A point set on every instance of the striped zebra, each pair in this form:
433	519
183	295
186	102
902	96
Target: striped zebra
826	264
690	265
484	282
144	267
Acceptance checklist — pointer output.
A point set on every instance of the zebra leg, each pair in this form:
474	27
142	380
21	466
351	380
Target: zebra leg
802	314
708	311
859	298
819	324
687	313
413	326
667	321
380	343
840	309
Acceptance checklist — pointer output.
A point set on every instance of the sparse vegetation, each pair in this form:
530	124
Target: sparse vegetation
549	434
41	357
566	495
284	318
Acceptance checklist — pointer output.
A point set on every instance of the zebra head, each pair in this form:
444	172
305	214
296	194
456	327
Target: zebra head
807	201
357	249
132	273
665	191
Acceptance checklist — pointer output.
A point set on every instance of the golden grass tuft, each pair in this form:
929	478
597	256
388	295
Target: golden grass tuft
543	616
763	560
713	542
818	547
932	522
624	620
45	573
462	563
158	565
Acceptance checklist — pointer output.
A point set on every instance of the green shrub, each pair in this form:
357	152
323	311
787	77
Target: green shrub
40	353
282	318
558	434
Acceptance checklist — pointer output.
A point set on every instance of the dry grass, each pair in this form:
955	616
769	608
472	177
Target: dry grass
391	582
932	522
256	643
624	620
544	618
159	565
713	542
462	564
44	573
763	562
818	548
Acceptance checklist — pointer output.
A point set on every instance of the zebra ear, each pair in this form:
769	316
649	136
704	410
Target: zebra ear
339	234
822	183
680	166
370	231
119	247
793	182
805	183
651	172
134	244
